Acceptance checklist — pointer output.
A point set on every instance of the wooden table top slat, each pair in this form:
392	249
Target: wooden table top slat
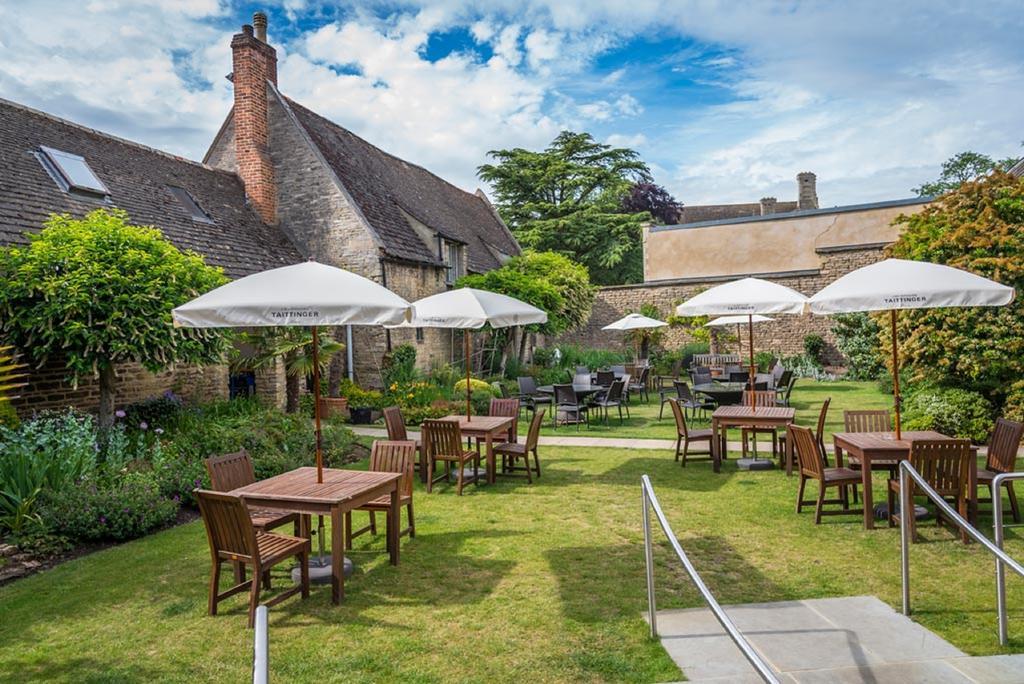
778	412
481	423
300	485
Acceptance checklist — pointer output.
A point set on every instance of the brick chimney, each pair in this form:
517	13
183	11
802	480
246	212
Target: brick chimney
807	190
254	63
768	205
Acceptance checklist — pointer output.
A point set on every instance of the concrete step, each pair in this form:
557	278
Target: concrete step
850	639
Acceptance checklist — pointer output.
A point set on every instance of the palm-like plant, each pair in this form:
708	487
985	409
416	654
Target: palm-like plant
295	347
12	375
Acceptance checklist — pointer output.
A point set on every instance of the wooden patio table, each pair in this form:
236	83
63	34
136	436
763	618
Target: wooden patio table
725	417
480	427
882	451
341	491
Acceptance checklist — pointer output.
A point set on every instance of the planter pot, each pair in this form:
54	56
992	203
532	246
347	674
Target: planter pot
361	415
333	406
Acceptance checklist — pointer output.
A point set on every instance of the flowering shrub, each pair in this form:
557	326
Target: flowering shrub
412	394
475	385
953	412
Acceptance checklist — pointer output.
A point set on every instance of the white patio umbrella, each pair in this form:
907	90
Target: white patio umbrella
307	294
895	284
747	296
726	321
635	321
470	309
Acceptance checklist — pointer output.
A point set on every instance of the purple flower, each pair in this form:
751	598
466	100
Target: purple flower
120	413
143	425
103	519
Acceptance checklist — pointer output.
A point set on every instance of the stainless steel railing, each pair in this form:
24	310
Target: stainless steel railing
260	664
650	502
908	473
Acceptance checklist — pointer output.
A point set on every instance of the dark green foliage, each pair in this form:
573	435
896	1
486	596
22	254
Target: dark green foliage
156	413
764	359
568	199
573	355
857	336
814	346
960	168
951	411
480	400
399	365
109	509
663	359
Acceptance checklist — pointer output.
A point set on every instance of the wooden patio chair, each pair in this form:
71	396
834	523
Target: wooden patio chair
1002	458
388	457
506	408
819	435
761	399
442	441
395	423
510	452
812	467
945	464
684	435
232	471
233	539
867	421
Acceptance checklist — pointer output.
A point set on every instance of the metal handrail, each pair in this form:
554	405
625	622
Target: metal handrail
650	501
907	473
260	663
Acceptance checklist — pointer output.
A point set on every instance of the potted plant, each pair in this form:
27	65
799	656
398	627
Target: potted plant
362	403
333	406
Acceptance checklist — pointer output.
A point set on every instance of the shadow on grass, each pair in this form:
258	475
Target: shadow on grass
82	670
696	477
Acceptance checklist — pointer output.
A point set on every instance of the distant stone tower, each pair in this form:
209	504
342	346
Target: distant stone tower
807	190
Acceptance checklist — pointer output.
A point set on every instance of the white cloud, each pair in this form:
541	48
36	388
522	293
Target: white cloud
623	140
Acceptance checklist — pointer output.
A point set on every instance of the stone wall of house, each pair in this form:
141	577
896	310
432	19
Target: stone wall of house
49	388
784	335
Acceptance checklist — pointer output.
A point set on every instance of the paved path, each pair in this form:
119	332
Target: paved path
850	639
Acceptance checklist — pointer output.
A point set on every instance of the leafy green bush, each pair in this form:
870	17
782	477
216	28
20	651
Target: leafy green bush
763	360
476	385
804	366
154	413
573	356
543	357
413	394
359	397
1013	409
399	366
814	346
417	414
662	360
480	400
105	509
951	411
857	338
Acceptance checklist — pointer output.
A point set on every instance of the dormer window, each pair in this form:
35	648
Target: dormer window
71	172
189	204
454	261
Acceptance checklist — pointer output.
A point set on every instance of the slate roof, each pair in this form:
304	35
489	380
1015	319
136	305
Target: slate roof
137	177
722	212
383	186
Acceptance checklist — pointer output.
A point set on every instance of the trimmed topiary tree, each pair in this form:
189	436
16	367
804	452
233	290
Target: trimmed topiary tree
96	291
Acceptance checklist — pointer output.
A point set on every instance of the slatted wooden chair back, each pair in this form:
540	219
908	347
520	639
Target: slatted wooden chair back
867	421
230	471
605	378
533	435
807	454
944	463
680	416
442	437
822	417
395	457
228	525
762	398
1002	448
395	423
507	408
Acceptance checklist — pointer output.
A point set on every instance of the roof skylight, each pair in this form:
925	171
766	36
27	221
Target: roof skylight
189	204
71	172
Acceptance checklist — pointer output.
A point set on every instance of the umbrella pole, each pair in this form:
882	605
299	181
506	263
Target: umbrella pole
753	369
896	399
316	406
465	338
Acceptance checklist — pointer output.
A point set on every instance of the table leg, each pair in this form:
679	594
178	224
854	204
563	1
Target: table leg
789	454
305	526
716	447
337	555
394	524
865	478
490	459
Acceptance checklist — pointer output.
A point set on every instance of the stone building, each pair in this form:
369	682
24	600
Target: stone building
279	184
804	247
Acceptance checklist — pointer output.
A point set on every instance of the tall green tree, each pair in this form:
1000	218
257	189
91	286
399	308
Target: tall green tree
979	227
568	198
960	168
95	292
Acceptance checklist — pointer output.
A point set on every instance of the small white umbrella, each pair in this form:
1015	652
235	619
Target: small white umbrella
635	321
470	309
748	296
895	284
726	321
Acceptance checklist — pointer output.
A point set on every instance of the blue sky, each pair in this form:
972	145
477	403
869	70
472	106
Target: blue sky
726	101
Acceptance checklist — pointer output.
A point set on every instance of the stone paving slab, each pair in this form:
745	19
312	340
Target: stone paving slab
848	639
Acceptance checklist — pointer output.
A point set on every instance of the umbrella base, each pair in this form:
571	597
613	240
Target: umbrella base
881	511
320	570
755	464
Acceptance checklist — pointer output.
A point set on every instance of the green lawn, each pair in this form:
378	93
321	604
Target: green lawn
533	583
806	399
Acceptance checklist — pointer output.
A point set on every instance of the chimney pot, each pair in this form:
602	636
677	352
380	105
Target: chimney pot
807	190
247	29
259	21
